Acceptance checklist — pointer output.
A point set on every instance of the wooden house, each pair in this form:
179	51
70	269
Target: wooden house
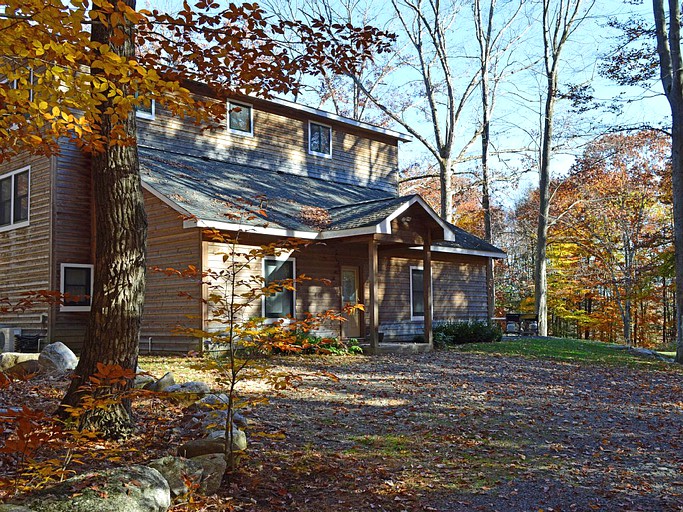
391	253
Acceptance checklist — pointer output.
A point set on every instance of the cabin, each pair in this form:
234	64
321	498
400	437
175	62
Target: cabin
315	176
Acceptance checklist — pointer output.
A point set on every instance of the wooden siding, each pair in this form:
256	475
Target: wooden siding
170	246
280	143
25	251
459	293
72	235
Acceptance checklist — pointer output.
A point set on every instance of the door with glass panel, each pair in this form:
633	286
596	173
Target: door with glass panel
350	296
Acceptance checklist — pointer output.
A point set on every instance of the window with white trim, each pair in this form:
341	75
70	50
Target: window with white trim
417	300
15	192
279	304
145	111
76	285
319	139
240	118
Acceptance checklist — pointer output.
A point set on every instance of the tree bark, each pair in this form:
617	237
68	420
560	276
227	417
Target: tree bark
112	333
671	67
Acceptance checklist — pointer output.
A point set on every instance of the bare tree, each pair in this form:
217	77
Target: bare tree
492	46
560	19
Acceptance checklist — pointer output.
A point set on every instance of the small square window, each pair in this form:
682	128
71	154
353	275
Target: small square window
319	139
144	111
14	199
76	285
240	118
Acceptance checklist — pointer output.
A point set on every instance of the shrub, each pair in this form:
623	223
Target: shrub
308	343
472	331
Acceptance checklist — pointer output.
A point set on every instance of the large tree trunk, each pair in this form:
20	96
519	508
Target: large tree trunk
113	328
541	273
677	170
670	64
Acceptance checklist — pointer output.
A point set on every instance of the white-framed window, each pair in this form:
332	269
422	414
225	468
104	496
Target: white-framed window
17	85
417	302
145	111
280	304
240	118
76	283
15	194
319	139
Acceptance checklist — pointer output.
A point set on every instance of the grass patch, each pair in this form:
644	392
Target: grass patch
566	349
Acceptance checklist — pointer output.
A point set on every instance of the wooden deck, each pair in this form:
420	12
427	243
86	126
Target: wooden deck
397	348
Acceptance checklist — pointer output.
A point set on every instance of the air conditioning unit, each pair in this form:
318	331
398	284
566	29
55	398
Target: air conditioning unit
7	335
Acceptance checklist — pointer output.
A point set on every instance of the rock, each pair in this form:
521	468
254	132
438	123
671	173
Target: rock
129	489
177	471
24	369
58	357
240	420
161	385
141	381
239	438
193	387
10	359
198	447
8	507
215	400
214	466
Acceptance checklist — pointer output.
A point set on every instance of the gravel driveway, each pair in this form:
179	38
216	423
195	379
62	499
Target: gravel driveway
452	431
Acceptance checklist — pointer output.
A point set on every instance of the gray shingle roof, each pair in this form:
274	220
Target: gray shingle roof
219	191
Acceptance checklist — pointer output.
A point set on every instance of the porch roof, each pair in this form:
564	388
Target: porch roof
229	196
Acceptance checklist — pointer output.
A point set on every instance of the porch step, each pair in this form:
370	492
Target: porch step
397	348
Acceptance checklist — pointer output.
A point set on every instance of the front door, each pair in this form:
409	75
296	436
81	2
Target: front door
350	296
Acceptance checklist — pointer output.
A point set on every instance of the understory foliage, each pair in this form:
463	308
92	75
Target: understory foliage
471	331
610	250
40	449
240	338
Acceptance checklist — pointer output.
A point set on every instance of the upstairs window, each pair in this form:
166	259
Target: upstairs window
280	304
14	199
76	283
146	111
240	118
319	139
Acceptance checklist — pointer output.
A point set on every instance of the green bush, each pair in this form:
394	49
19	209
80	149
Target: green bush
472	331
311	344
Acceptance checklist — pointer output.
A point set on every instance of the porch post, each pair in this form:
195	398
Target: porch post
427	287
373	310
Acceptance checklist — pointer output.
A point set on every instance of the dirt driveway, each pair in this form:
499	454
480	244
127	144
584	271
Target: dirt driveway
451	431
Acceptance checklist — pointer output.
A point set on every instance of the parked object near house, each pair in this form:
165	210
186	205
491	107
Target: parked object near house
309	175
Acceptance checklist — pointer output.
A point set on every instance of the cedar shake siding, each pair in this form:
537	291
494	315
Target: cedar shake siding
25	251
72	234
170	246
280	143
458	292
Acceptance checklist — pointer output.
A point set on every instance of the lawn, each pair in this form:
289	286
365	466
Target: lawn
565	349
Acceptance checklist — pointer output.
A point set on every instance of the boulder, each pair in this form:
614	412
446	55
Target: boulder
161	385
178	472
192	387
8	507
10	359
214	466
129	489
239	438
141	381
58	357
24	368
198	447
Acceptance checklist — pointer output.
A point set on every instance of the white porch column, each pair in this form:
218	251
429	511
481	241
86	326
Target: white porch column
373	310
